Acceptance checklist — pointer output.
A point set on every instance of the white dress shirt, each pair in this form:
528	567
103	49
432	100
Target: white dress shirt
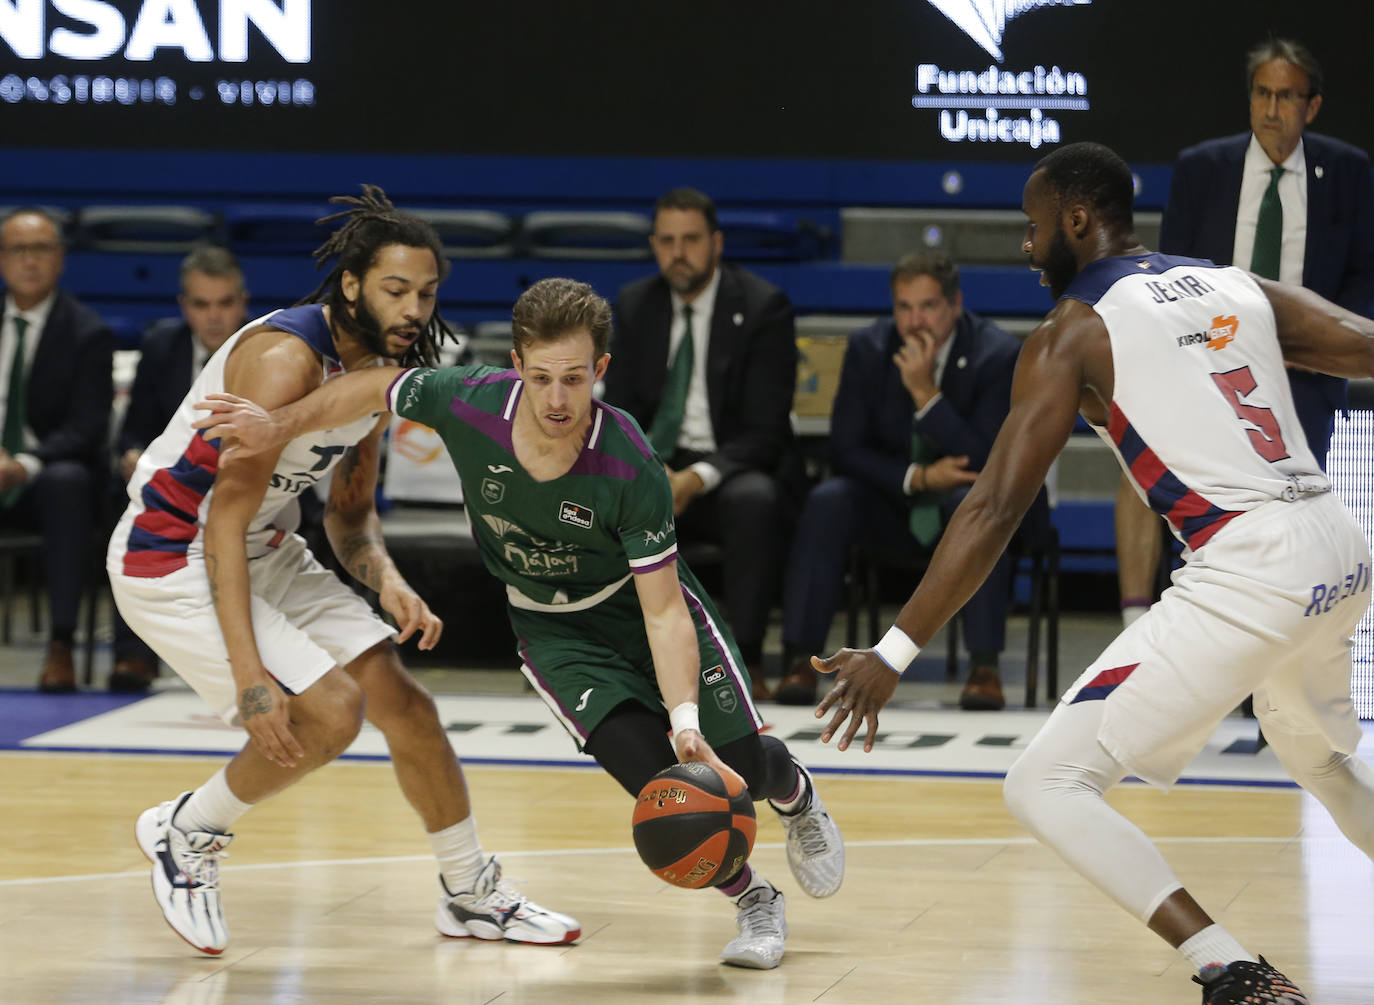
696	433
1292	197
37	317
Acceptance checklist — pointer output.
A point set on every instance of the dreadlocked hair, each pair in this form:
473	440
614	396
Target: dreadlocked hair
371	223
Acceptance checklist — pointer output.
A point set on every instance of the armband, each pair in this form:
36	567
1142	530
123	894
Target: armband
896	649
685	716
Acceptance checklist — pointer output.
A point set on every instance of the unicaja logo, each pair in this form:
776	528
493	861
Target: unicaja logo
985	21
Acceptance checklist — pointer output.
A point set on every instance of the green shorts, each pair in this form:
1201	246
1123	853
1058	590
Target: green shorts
585	663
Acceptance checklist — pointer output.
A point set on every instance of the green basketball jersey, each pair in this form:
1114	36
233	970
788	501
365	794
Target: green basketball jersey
561	545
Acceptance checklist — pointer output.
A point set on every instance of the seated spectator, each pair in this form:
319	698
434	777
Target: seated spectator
214	305
922	395
706	361
56	358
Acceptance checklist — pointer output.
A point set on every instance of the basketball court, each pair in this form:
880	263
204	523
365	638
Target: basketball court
329	889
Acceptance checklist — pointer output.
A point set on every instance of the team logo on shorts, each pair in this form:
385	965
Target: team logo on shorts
493	491
713	676
726	699
578	516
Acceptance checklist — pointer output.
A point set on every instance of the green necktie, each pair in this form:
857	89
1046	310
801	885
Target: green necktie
15	405
668	419
1264	261
924	516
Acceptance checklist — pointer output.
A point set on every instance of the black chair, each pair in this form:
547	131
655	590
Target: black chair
24	549
1034	547
587	234
471	233
154	229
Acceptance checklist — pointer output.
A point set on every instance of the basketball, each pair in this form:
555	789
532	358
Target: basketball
690	829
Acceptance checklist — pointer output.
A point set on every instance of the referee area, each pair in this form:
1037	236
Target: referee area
329	887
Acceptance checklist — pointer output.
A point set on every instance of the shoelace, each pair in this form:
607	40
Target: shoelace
760	919
810	834
201	867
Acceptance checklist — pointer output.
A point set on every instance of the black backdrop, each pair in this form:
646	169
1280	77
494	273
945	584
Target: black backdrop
792	78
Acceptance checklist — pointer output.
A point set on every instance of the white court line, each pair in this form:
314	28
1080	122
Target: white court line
628	849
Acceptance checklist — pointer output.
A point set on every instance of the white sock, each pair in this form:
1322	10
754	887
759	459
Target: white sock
213	807
756	882
1213	944
459	854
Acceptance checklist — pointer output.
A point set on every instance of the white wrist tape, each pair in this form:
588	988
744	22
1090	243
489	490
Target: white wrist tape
896	649
685	716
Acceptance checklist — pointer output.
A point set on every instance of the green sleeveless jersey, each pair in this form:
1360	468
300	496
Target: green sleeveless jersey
561	545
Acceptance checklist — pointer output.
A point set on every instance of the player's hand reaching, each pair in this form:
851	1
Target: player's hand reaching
863	685
247	424
412	614
265	712
690	745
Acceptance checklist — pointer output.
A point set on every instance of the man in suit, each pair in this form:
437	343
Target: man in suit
922	395
705	359
1286	204
55	379
214	305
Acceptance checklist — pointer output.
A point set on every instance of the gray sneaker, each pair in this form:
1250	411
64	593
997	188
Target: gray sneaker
815	849
762	929
185	875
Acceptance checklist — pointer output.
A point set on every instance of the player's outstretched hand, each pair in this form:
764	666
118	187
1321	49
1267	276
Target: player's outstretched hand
690	745
412	614
247	423
264	710
863	685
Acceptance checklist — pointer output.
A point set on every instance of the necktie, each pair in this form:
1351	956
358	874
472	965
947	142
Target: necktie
924	516
667	423
16	404
1269	230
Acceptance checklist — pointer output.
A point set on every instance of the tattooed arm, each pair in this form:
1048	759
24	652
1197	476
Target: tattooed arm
355	532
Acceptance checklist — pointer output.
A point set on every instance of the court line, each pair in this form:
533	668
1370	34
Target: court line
1022	841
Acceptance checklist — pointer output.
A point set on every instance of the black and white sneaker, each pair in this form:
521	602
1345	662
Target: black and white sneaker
1246	983
495	910
815	849
185	875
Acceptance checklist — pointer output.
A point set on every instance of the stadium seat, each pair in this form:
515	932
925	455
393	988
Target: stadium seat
471	233
270	229
586	234
153	229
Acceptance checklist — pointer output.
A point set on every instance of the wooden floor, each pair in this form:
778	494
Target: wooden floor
330	888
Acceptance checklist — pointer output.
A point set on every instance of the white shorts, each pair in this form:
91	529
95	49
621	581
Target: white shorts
1268	606
305	621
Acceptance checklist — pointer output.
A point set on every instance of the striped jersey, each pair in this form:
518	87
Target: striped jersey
1201	416
170	491
559	545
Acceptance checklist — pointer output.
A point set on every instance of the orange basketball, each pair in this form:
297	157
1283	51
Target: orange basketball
690	828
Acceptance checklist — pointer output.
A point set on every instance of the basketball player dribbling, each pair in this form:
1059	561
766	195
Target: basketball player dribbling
574	514
1180	364
205	567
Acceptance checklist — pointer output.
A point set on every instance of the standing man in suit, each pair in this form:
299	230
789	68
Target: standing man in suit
1288	205
55	394
214	305
706	362
922	395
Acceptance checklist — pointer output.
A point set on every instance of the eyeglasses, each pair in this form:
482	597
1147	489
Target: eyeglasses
1262	95
43	250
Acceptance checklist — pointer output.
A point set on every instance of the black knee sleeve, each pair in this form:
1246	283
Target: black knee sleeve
631	743
764	763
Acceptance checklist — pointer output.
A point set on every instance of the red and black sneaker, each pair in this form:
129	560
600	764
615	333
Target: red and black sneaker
1246	983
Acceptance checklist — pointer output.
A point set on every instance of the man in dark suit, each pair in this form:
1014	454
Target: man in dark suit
922	395
55	377
214	305
1285	204
704	356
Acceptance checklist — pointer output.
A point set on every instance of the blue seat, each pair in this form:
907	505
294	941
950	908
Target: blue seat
275	229
587	234
765	235
150	229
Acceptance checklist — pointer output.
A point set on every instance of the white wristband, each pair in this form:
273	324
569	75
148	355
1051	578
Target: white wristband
896	649
684	716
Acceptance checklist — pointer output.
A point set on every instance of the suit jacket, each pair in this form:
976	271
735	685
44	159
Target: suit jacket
751	366
874	415
1338	260
70	388
162	380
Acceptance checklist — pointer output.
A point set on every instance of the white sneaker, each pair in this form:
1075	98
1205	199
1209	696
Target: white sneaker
495	910
762	929
815	849
185	875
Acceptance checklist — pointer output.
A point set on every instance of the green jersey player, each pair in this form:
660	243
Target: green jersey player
573	513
